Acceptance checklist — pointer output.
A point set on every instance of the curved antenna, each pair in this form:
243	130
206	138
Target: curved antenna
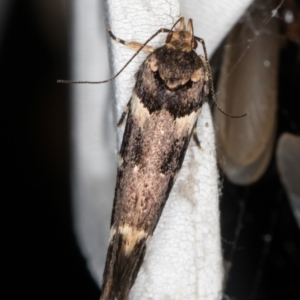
181	20
116	75
211	83
190	27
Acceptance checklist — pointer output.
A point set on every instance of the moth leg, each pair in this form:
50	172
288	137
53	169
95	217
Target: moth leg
195	136
204	62
131	45
208	69
206	76
125	112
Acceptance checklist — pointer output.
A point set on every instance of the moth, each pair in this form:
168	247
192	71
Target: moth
171	86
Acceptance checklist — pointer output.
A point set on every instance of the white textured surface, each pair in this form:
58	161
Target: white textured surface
93	165
184	254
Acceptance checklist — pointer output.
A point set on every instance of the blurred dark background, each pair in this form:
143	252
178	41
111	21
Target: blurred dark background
40	258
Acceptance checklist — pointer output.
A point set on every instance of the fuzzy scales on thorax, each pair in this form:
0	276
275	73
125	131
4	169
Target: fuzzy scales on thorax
170	86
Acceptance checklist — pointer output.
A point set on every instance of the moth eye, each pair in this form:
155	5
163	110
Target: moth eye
169	37
195	44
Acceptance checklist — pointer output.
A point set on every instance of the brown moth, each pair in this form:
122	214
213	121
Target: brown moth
171	86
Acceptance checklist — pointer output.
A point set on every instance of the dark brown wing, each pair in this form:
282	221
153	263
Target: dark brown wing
157	134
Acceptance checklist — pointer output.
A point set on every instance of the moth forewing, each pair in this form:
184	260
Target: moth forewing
171	87
123	51
183	259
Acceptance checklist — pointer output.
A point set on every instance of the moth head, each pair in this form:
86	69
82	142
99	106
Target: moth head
182	38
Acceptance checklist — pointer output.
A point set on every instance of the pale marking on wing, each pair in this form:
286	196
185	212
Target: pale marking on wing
197	75
111	234
141	115
139	111
131	236
187	122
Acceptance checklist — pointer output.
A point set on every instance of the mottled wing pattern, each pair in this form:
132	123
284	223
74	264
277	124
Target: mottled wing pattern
166	102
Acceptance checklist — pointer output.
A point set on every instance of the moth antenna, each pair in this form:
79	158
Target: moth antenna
128	62
228	115
181	20
190	27
212	90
